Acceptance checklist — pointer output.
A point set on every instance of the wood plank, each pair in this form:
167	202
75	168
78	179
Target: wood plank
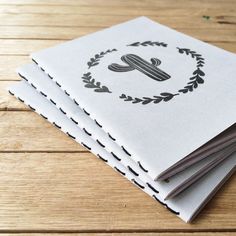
77	192
122	9
68	33
27	46
8	65
133	3
27	131
107	21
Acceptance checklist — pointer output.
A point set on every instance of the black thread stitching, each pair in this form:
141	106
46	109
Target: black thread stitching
23	77
138	184
102	145
33	86
98	123
74	121
67	93
70	135
50	76
59	127
142	167
152	188
171	210
111	137
89	148
87	132
43	94
31	108
43	116
86	112
114	155
52	101
101	158
35	61
126	151
131	170
57	83
11	93
158	200
42	69
62	111
21	99
76	102
123	173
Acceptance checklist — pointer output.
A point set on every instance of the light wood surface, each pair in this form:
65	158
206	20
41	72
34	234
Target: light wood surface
51	185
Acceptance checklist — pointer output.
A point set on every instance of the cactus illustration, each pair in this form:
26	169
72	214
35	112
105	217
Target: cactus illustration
135	62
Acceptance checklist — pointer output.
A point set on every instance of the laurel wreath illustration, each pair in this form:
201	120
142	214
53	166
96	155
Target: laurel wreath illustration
194	81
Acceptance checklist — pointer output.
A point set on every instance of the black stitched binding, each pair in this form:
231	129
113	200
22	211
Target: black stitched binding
31	108
126	151
21	99
171	210
158	200
33	86
76	102
50	76
34	61
43	116
87	132
59	127
67	93
138	184
101	158
57	84
11	93
74	121
70	135
89	148
142	167
131	170
114	155
43	94
98	124
52	101
86	112
123	173
62	111
152	188
23	77
111	137
42	69
102	145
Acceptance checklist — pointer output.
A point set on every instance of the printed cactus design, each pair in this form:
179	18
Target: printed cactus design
135	62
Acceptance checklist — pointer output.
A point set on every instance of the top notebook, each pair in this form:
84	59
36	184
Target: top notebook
158	93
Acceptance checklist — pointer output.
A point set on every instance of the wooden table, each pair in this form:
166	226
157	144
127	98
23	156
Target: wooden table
45	185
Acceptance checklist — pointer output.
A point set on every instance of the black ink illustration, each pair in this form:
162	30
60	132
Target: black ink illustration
150	69
134	62
91	83
95	60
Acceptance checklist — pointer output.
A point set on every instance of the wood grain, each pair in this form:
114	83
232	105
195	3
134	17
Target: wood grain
49	183
55	191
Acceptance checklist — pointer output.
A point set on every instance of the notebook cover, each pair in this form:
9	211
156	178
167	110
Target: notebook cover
159	93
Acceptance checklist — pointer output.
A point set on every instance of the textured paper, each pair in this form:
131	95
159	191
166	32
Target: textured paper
159	93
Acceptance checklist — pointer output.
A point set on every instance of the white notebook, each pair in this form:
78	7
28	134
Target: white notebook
196	196
179	182
159	93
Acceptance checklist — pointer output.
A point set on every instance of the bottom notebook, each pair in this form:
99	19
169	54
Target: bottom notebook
186	205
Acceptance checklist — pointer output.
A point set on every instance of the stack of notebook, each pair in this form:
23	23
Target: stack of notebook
156	105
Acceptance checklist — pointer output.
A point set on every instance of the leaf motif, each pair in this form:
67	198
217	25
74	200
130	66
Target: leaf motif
122	96
90	86
200	80
165	94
